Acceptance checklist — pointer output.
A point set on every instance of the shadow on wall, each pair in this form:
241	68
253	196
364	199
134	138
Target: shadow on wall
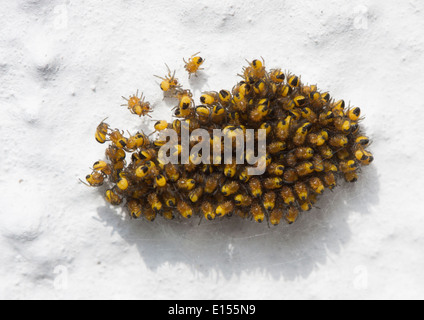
232	246
198	81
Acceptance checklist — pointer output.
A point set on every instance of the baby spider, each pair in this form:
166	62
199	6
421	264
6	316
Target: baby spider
95	179
137	105
169	84
101	132
193	64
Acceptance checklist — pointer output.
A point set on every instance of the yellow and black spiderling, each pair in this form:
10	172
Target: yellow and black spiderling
193	64
137	105
313	142
169	83
101	132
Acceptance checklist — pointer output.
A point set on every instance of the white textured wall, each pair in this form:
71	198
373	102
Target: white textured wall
63	68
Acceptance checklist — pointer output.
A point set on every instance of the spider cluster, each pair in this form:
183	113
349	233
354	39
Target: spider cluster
312	140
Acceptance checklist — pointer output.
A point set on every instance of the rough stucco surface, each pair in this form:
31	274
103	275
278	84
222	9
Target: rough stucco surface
63	68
